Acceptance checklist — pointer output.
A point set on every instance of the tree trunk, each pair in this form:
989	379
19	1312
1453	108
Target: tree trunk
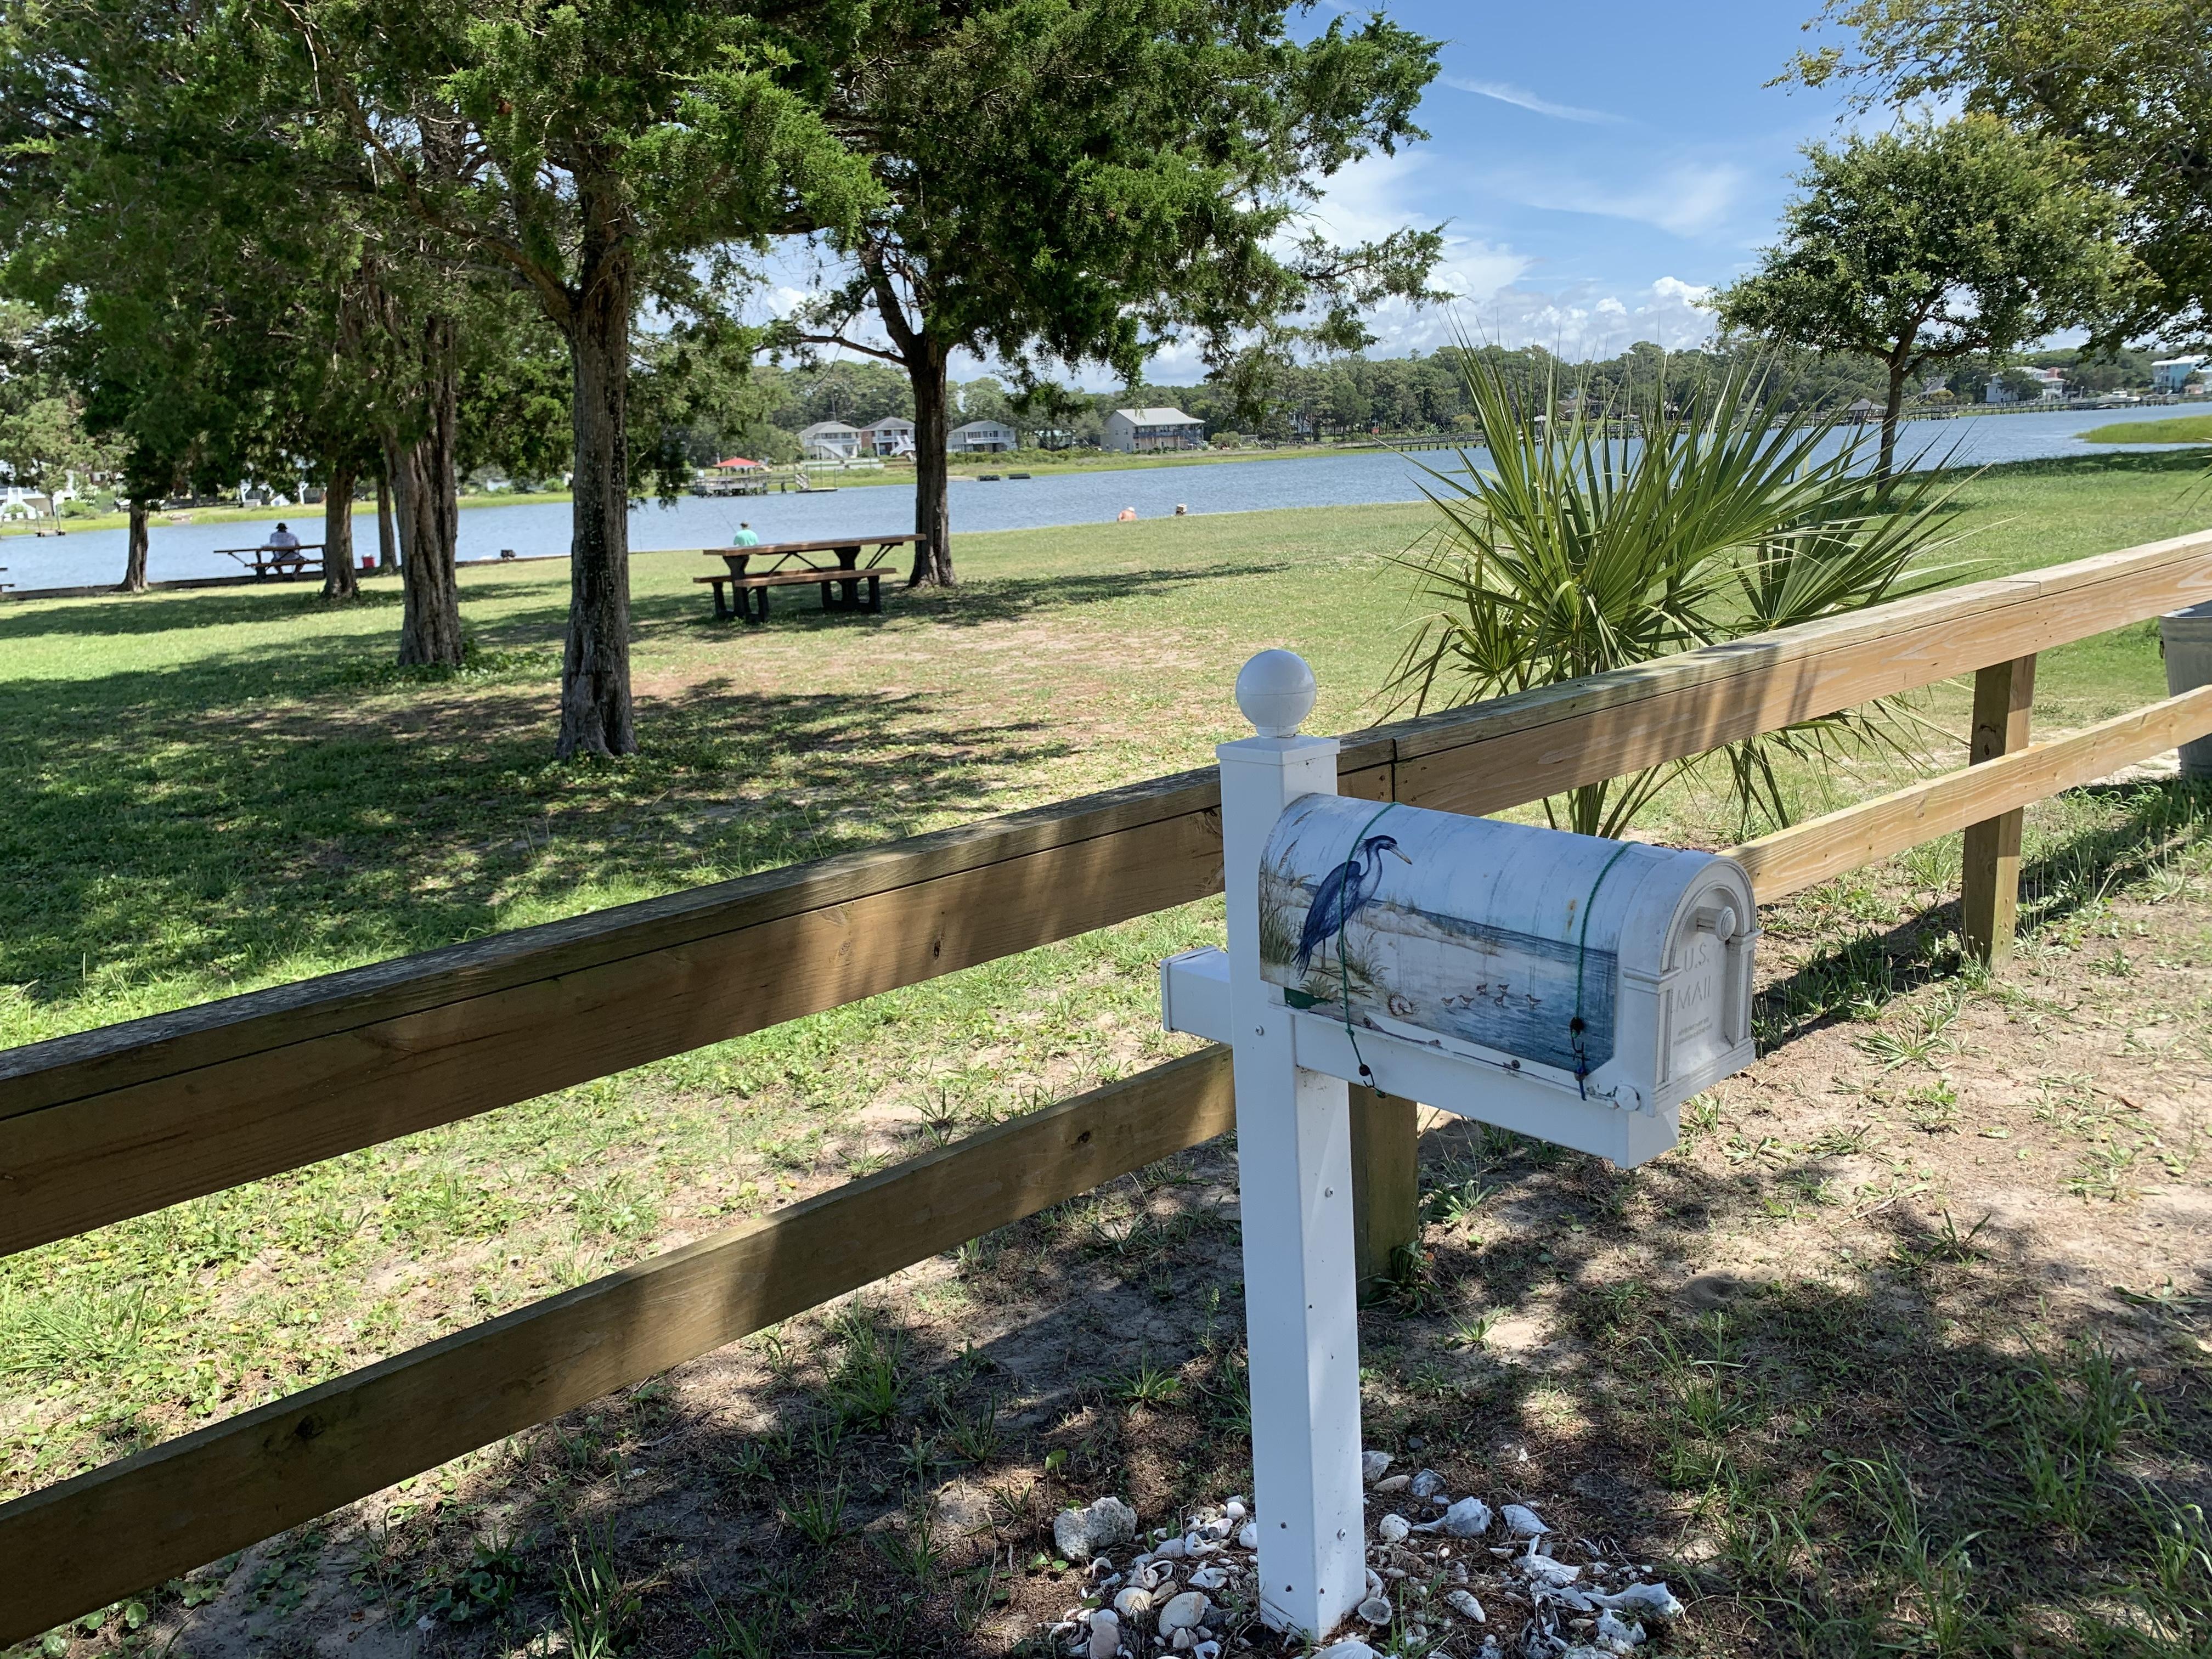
932	516
339	581
1891	412
595	706
387	551
134	561
429	511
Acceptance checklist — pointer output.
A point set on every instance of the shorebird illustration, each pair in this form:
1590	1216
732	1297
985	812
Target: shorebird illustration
1342	893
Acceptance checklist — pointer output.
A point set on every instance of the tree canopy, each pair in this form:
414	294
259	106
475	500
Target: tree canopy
2126	83
1079	181
1932	242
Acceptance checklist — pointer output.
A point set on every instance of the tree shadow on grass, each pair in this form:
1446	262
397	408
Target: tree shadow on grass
154	840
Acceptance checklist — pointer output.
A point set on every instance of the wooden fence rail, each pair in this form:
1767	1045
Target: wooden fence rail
120	1121
128	1119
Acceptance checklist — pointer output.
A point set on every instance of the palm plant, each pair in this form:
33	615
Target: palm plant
1603	536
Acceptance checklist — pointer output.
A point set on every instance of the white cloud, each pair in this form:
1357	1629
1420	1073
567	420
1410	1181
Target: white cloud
1520	98
1687	199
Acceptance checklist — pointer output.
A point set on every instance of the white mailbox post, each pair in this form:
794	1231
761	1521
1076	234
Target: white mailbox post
1573	989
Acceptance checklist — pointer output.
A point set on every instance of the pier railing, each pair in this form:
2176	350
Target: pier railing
125	1119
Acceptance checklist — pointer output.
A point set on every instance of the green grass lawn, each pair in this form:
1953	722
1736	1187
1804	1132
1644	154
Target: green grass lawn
213	791
2180	429
210	791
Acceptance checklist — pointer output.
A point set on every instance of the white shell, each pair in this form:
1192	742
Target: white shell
1466	1606
1523	1522
1648	1601
1428	1484
1105	1634
1373	1466
1392	1529
1184	1611
1250	1538
1610	1629
1171	1549
1375	1610
1351	1648
1134	1603
1394	1483
1468	1518
1208	1578
1235	1510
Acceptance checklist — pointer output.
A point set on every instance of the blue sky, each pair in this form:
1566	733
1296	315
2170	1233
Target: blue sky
1598	163
1599	166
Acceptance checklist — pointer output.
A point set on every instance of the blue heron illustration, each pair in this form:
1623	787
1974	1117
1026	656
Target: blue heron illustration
1341	894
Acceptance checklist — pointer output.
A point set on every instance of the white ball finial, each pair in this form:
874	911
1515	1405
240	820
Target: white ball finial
1276	691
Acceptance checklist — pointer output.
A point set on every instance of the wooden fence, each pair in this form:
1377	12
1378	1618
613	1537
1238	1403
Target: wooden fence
125	1119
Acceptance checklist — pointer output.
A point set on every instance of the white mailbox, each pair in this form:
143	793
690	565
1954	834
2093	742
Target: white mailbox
1608	970
1575	990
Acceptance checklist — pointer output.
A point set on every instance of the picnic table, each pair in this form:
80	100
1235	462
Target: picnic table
285	561
753	573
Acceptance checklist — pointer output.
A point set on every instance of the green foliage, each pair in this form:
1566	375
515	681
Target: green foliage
1932	242
1585	550
2126	83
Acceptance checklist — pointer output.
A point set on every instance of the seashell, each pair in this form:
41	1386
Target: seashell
1374	1581
1643	1601
1105	1634
1616	1635
1171	1549
1248	1539
1373	1466
1375	1610
1351	1648
1545	1570
1206	1650
1394	1483
1468	1518
1235	1510
1183	1611
1082	1533
1427	1484
1466	1606
1208	1578
1182	1641
1392	1529
1133	1604
1523	1522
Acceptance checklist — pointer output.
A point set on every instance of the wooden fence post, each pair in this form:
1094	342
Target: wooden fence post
1989	896
1386	1183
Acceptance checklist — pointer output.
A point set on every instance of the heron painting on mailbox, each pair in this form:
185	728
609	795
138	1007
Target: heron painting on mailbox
1503	941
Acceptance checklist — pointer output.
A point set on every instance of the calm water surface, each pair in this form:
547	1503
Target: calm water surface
1316	481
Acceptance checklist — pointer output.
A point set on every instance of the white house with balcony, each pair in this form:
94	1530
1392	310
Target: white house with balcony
892	435
1132	430
981	438
829	441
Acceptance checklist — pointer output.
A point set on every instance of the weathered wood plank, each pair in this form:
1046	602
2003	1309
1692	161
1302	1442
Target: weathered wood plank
1792	859
121	1120
1989	886
1386	1183
138	1148
115	1530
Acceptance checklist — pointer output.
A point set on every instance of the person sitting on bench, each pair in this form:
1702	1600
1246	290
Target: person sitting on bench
283	541
746	536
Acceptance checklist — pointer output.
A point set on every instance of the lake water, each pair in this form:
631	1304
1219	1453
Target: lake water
1314	481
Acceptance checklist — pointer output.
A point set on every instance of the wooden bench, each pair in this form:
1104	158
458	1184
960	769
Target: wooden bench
749	594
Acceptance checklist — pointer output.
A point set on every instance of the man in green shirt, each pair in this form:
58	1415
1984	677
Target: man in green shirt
746	536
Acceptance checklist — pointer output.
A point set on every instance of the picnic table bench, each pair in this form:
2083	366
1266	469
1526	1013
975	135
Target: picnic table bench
798	564
285	561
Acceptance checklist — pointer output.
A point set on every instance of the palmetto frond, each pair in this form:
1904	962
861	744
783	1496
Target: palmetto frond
1598	537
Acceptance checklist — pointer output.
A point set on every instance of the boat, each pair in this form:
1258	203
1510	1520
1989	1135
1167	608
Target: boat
987	477
1017	475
